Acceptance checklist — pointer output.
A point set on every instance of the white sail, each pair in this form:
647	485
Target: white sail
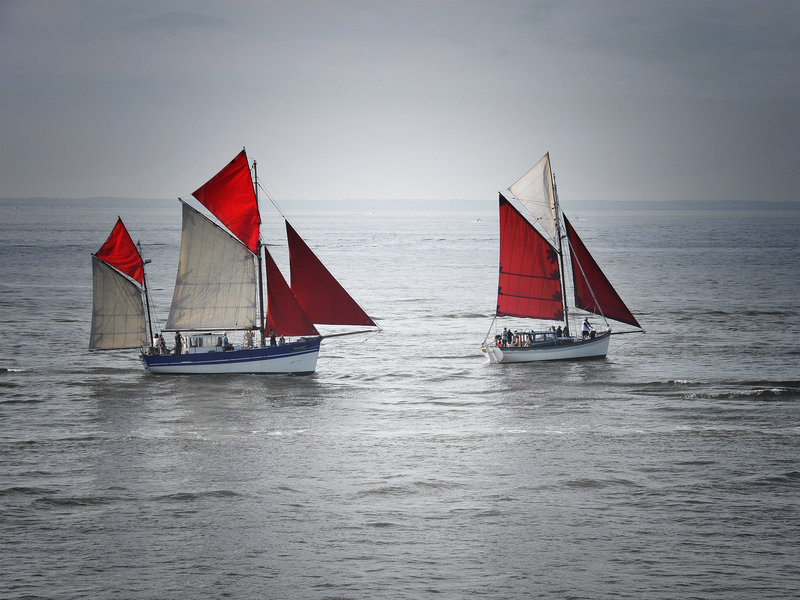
117	310
216	283
535	191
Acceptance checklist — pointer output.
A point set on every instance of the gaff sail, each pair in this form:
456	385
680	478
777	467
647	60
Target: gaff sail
118	319
322	297
284	313
120	252
529	283
216	286
231	198
593	290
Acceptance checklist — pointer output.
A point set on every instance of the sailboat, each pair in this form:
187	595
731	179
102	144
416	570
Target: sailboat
223	270
535	240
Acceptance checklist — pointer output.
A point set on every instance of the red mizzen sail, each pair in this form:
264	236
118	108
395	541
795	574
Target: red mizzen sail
120	252
529	284
323	298
284	313
588	278
231	197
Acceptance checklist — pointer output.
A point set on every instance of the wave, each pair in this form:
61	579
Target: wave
45	441
192	496
10	385
25	490
415	487
709	390
790	477
76	501
775	393
386	490
15	370
595	484
465	315
738	313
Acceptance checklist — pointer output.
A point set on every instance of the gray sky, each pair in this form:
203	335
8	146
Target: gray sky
635	100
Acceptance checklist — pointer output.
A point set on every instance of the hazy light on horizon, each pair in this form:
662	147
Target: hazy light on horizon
385	100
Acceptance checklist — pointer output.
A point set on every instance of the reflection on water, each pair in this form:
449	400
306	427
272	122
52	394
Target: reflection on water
406	465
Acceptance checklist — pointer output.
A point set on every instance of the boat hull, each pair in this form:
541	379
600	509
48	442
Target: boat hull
564	350
293	358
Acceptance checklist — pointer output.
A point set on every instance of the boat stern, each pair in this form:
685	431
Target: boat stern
493	354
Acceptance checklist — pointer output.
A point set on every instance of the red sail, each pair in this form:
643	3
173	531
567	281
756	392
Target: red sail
323	298
120	252
284	313
230	196
588	278
529	284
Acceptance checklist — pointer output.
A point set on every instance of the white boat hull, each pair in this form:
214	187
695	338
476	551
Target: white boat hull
294	358
565	350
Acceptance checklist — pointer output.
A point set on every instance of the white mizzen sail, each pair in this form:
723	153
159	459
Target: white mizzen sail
216	286
535	191
117	310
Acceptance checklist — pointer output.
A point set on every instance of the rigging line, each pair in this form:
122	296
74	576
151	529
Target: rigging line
152	313
536	220
332	335
626	332
623	344
269	197
586	279
488	333
562	274
278	208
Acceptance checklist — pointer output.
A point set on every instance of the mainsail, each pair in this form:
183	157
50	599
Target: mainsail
216	283
118	319
593	290
529	283
322	297
535	191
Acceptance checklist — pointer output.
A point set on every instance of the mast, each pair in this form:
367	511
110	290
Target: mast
562	274
260	267
146	294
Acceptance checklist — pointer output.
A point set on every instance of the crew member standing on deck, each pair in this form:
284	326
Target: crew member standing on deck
587	329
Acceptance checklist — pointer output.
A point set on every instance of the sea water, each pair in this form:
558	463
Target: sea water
406	466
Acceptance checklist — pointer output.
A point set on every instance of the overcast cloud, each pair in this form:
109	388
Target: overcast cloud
639	100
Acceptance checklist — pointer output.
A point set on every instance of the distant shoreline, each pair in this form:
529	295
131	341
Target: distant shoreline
430	204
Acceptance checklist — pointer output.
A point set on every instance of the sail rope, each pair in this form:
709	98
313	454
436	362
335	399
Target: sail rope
619	346
586	279
488	333
278	208
270	198
152	313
